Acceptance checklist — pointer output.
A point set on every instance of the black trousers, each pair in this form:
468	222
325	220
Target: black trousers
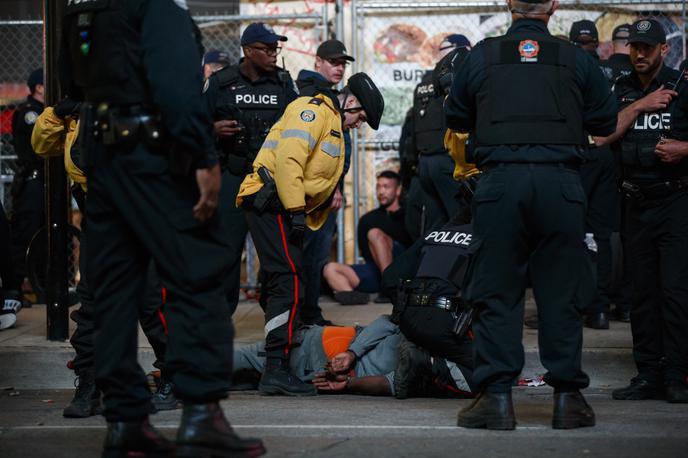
528	224
598	178
658	248
436	173
281	263
28	216
7	276
137	211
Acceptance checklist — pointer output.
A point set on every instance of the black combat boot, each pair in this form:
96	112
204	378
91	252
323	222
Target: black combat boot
489	410
413	368
164	398
135	438
571	411
639	389
278	379
205	431
86	401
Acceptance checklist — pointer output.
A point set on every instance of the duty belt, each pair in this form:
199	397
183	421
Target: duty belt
653	191
441	302
129	125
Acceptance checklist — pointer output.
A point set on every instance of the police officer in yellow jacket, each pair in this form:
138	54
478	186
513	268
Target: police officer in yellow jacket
294	177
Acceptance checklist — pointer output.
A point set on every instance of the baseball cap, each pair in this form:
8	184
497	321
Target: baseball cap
36	77
260	32
370	97
621	32
584	27
216	56
647	31
455	40
333	49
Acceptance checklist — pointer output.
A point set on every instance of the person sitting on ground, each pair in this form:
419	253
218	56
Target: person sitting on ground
381	236
355	360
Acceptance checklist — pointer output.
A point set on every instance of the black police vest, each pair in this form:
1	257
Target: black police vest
444	254
530	95
638	157
428	118
256	107
105	53
617	65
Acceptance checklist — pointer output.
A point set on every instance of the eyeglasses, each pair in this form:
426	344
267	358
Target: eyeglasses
268	51
337	62
354	110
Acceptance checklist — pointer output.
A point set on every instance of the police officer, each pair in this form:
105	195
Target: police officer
153	183
246	99
653	135
435	167
28	207
294	178
528	97
618	63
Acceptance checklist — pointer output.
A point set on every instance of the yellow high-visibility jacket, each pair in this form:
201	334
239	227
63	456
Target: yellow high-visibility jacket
49	140
304	153
455	143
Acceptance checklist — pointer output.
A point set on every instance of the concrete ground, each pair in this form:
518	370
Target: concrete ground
35	386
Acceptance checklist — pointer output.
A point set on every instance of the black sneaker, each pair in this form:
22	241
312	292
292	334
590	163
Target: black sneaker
351	298
281	381
86	401
638	390
164	398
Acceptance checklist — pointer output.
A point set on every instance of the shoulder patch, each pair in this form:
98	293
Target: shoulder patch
30	117
335	133
315	101
308	115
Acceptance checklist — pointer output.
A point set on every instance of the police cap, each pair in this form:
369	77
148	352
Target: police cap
259	32
621	32
35	78
581	28
216	56
370	97
333	49
647	31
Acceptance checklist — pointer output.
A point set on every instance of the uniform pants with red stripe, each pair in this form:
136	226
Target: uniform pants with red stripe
281	263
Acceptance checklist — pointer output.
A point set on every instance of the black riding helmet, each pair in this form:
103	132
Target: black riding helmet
361	86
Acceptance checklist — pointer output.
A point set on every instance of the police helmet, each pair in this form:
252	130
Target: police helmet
361	86
443	73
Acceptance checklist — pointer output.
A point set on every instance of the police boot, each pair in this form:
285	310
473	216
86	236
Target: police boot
571	411
205	432
414	363
164	398
639	389
489	410
278	379
86	401
135	438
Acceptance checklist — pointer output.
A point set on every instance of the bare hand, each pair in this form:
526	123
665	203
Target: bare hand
656	100
342	362
227	127
672	151
209	182
337	200
328	382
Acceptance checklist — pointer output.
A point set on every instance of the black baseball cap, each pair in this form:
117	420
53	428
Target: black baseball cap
584	27
370	97
333	49
260	32
621	32
35	78
216	56
647	31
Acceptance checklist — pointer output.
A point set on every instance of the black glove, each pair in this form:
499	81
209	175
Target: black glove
298	228
66	107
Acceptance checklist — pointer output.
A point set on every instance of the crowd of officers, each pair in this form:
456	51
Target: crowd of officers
545	145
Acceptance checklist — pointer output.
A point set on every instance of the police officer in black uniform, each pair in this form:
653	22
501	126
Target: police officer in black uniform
618	63
28	204
528	97
153	184
435	167
246	99
653	135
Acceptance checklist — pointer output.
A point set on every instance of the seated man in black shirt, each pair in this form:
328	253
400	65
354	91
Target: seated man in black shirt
381	235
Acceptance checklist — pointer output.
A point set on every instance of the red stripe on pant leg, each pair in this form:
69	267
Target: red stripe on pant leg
160	314
296	283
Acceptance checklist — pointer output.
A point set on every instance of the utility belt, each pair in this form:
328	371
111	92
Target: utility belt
653	191
266	199
130	125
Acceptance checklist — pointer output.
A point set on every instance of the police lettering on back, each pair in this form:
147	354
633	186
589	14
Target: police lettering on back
258	99
449	238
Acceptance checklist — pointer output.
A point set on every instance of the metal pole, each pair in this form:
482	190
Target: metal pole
325	19
354	137
57	192
339	34
683	29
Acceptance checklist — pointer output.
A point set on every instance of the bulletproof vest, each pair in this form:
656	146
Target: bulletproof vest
256	107
640	163
530	94
613	68
444	254
104	52
428	118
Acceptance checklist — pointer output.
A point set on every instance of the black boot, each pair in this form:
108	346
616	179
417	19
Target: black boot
489	410
278	379
414	363
597	320
164	398
86	401
205	432
639	389
135	438
571	411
